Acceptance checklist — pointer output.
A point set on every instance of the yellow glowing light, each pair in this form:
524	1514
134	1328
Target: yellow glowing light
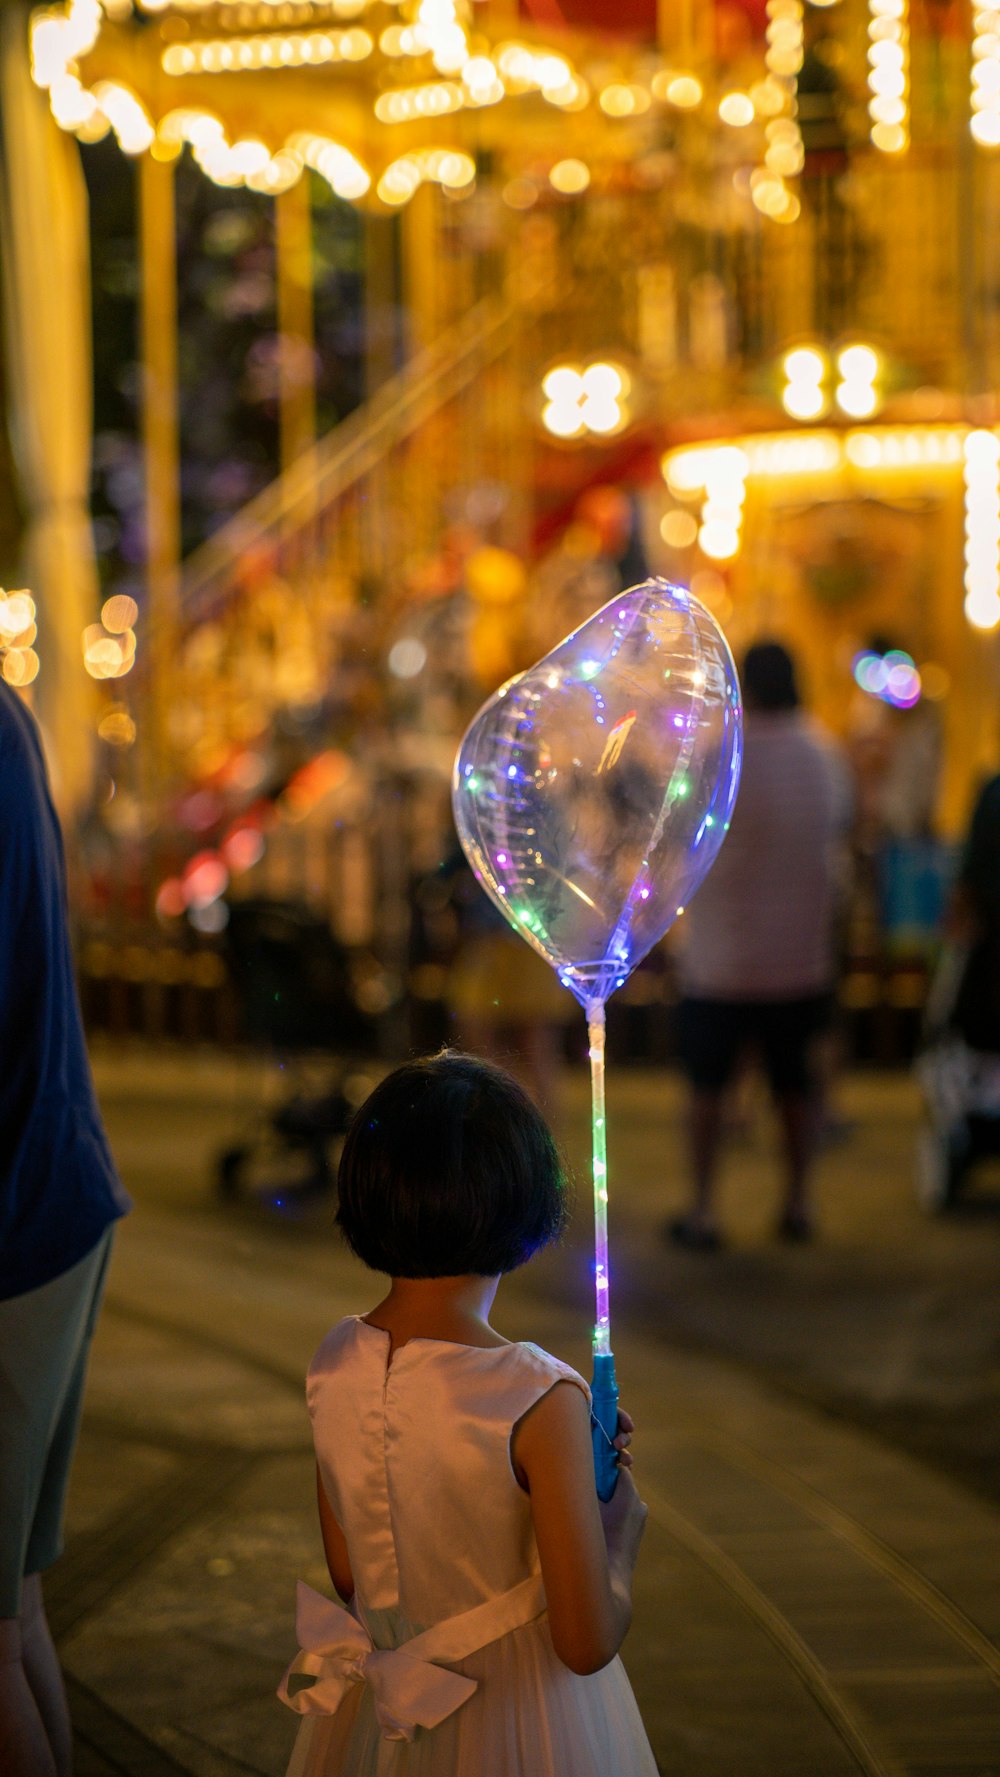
304	49
890	138
785	158
981	452
72	107
619	100
789	211
678	528
858	400
17	614
344	174
686	471
856	394
984	123
684	91
449	168
571	95
281	173
601	416
591	400
481	81
769	193
888	74
569	177
563	421
888	111
563	384
804	365
803	401
719	541
737	109
520	194
805	371
119	613
435	99
57	41
399	182
616	100
117	728
603	382
982	609
768	97
127	116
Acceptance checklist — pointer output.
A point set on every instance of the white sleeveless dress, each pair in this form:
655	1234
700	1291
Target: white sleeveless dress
444	1664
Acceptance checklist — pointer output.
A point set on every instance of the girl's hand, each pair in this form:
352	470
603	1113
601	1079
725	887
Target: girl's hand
623	1517
626	1426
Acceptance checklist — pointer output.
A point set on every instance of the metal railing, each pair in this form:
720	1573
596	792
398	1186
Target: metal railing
295	510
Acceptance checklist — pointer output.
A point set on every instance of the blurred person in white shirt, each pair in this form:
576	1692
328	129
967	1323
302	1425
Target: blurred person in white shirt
758	949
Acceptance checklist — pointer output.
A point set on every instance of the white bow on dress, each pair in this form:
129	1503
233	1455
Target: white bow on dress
336	1651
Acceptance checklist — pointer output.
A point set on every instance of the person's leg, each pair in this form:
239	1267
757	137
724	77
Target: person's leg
705	1125
41	1669
800	1114
44	1338
709	1036
789	1031
25	1750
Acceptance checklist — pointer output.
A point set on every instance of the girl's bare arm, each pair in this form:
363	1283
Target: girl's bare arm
587	1553
337	1559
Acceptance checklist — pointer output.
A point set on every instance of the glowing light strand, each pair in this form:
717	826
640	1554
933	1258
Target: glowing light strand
984	96
889	74
784	156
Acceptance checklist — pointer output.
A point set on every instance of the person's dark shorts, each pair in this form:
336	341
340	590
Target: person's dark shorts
713	1034
45	1337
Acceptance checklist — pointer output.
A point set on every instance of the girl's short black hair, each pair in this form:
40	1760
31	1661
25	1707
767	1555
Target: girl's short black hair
448	1169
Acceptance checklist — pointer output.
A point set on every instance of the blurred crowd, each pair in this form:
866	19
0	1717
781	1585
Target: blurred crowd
829	905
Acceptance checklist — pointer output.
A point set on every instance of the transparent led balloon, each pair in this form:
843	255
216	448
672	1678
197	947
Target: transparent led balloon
591	796
592	792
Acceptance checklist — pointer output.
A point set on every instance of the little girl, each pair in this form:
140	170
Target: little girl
488	1592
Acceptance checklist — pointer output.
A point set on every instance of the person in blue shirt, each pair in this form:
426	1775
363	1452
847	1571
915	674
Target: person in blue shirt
59	1199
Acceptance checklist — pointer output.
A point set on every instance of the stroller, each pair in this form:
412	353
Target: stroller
959	1073
297	997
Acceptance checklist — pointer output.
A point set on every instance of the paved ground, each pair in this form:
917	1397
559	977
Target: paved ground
818	1443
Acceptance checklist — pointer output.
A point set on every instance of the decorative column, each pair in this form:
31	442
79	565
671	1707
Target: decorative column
420	268
297	360
379	299
161	443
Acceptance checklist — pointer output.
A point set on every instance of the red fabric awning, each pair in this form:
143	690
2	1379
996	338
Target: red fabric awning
625	18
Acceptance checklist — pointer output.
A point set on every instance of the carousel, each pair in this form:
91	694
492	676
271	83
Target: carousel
734	259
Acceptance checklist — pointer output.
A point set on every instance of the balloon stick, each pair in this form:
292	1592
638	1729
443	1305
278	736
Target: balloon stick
602	1282
591	795
605	1387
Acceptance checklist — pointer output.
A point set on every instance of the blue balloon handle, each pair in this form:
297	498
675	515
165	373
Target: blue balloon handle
604	1423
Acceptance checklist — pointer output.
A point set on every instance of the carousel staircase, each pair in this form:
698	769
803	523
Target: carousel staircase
371	490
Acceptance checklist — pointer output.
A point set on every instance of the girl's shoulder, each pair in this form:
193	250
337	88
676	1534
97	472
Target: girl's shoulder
547	1368
522	1364
344	1337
